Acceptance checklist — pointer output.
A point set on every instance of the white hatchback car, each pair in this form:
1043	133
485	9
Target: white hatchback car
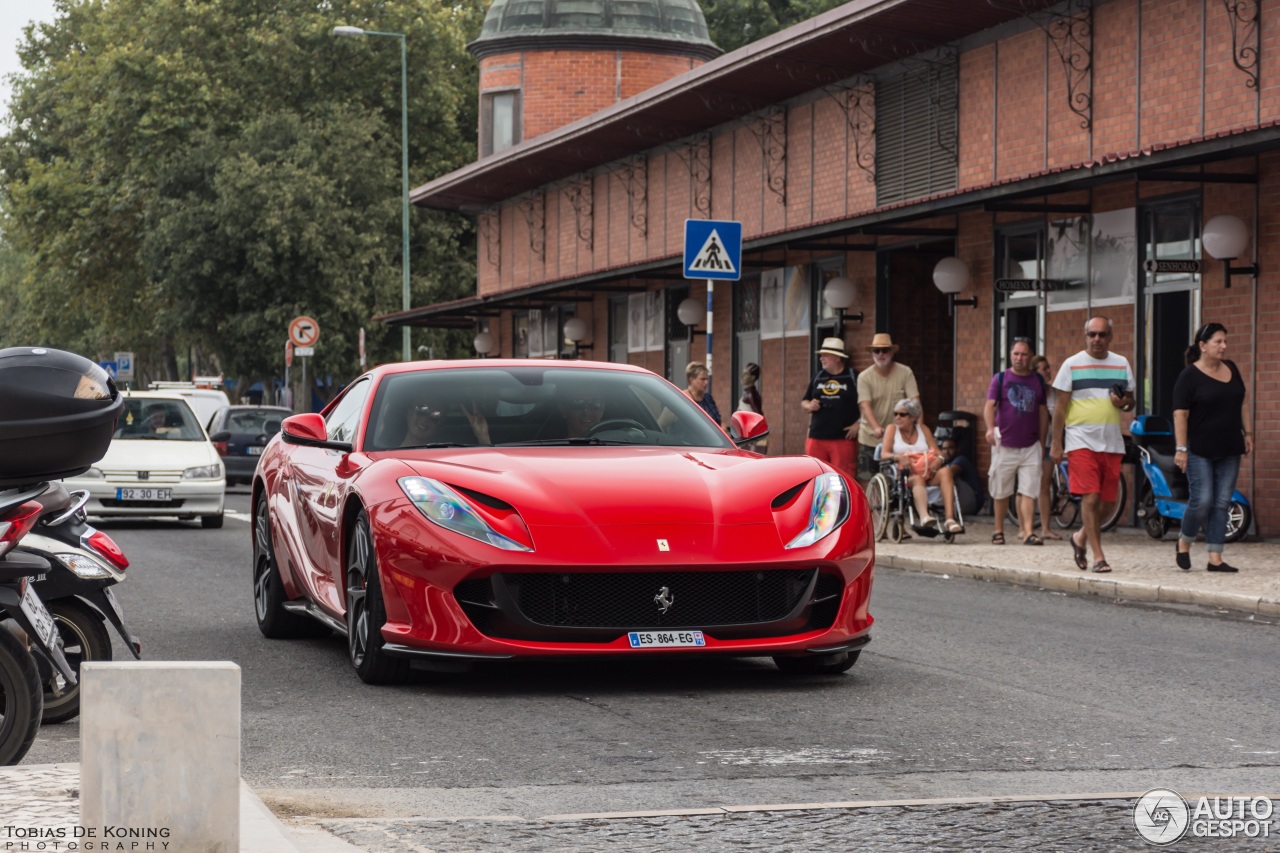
160	463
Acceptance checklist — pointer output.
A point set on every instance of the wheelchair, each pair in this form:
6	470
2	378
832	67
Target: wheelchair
893	510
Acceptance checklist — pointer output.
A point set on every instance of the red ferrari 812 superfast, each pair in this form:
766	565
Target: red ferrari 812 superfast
461	511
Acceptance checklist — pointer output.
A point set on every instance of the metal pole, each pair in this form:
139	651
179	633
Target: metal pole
404	184
711	290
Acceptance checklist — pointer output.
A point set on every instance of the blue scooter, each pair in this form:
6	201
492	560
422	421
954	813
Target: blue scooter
1164	495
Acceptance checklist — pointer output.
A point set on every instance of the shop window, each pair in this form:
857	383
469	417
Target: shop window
618	329
499	121
1020	257
916	131
746	328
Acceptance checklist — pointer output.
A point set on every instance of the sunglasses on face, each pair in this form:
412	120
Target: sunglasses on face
426	412
902	414
880	350
584	405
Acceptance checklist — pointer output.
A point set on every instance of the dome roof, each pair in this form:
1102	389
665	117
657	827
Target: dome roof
671	26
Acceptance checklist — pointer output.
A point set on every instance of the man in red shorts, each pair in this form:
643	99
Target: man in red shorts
1093	387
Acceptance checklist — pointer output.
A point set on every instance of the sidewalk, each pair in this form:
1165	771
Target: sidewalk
1142	568
46	796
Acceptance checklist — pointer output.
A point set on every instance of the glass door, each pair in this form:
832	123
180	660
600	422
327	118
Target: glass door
1019	313
1170	304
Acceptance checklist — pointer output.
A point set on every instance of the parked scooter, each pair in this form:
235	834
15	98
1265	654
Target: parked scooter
30	648
58	418
84	564
1164	496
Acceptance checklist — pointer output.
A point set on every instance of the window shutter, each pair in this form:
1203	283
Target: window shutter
916	124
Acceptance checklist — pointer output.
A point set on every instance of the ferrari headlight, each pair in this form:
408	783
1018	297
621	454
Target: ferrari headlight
829	510
445	507
204	472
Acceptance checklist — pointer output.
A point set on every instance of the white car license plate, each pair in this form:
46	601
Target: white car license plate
665	639
144	494
39	615
255	450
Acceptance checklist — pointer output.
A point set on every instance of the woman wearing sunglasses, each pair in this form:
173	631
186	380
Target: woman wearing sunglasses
1211	435
909	442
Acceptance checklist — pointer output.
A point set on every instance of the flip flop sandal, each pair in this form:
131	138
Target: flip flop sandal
954	527
1079	552
1101	566
997	538
1033	540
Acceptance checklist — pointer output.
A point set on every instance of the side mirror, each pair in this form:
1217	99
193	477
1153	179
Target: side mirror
746	427
308	430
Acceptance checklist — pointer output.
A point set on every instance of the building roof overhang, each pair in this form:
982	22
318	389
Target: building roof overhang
1153	163
823	51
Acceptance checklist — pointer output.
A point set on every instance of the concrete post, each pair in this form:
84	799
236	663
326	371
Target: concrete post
160	755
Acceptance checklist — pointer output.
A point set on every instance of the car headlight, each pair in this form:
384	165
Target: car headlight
445	507
204	472
830	509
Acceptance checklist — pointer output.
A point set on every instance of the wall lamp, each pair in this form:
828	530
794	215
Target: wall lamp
575	330
1225	238
484	344
839	294
689	312
950	276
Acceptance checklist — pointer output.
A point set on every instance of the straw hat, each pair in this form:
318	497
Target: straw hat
833	346
883	341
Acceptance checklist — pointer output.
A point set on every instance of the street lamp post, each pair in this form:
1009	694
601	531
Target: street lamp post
404	161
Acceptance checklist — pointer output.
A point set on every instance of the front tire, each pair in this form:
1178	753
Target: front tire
84	638
274	621
1239	518
832	664
21	699
366	612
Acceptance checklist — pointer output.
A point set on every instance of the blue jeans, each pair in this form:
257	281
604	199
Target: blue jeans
1211	483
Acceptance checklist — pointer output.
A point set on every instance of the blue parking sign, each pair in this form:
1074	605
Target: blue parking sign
713	249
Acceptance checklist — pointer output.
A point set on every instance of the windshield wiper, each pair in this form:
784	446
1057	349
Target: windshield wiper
562	442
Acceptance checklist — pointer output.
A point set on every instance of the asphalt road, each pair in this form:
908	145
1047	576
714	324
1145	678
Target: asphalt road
968	689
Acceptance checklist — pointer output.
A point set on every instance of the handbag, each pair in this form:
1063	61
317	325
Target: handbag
918	463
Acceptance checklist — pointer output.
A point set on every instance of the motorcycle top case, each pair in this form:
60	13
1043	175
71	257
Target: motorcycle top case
58	412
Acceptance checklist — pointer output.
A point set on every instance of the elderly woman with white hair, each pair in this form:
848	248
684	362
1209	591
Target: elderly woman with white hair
908	442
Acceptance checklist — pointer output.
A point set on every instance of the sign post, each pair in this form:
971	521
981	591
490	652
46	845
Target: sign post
124	367
712	251
304	331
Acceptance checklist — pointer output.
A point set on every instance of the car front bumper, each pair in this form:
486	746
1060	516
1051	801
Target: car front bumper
188	498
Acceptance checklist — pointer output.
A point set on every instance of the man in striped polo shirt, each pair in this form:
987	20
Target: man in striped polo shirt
1086	427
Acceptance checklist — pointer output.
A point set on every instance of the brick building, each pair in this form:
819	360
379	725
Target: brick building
1058	150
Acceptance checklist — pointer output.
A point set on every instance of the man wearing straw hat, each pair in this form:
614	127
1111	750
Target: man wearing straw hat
832	403
880	387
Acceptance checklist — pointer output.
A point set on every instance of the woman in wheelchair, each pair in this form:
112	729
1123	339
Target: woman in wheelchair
910	444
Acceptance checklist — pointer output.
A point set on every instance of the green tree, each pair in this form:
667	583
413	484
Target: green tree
187	175
733	23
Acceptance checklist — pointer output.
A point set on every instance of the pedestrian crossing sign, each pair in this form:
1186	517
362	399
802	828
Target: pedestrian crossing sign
712	249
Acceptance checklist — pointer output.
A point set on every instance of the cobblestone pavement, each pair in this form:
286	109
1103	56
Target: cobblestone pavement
1088	825
47	796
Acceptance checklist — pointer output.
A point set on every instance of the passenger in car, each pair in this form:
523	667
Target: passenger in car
580	415
423	422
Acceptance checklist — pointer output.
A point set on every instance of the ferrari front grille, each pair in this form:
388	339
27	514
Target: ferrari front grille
595	606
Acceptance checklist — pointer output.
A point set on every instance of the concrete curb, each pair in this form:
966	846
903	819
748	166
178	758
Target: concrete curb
1085	584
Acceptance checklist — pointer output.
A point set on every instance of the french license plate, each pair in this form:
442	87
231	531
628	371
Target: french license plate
665	639
144	494
39	616
254	450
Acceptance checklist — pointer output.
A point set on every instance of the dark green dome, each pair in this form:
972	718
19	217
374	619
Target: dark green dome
668	26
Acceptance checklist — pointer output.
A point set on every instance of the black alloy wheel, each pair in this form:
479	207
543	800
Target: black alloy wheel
366	612
274	621
84	638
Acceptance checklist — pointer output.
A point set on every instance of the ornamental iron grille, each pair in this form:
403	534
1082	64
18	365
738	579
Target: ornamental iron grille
746	305
581	195
534	210
1069	27
491	235
633	174
769	127
1246	45
858	102
696	156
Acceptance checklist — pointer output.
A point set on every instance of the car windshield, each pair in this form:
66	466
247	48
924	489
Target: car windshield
255	421
157	420
535	406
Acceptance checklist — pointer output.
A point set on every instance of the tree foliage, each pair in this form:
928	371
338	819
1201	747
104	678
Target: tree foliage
188	175
733	23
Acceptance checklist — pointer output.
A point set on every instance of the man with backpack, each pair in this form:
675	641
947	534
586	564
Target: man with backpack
1016	418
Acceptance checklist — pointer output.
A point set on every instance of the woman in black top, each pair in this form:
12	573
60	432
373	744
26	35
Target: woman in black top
1211	435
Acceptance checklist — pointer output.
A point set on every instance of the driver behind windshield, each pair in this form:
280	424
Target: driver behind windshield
580	415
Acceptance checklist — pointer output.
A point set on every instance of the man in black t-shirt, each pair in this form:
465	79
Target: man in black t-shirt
832	403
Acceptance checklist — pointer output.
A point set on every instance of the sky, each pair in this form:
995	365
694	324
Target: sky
14	15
